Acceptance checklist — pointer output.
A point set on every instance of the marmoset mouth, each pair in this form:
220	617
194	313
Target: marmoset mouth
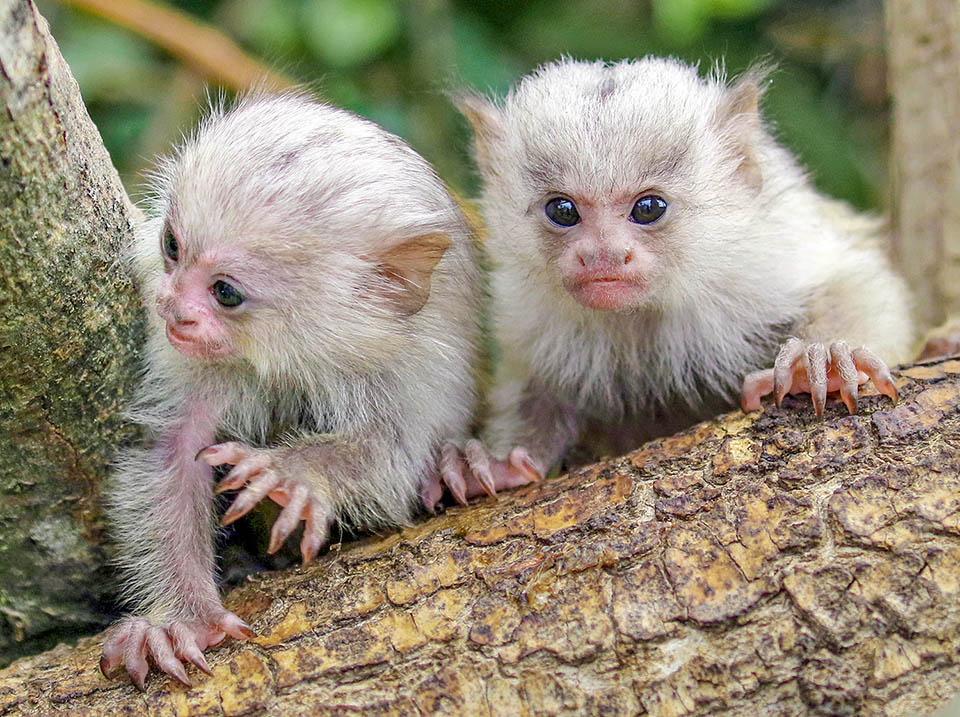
192	348
607	293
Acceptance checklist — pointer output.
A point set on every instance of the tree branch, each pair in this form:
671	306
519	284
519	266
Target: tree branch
755	562
207	50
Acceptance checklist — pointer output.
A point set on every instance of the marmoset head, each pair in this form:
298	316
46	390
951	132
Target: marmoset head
615	181
291	233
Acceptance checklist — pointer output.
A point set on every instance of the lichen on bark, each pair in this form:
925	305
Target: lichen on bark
68	320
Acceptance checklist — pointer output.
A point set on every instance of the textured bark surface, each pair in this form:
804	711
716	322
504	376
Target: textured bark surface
68	318
770	561
923	50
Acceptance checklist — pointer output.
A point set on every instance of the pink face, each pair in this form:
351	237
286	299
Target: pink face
197	303
604	250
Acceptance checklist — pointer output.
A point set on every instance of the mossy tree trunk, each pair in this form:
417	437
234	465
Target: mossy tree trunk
68	330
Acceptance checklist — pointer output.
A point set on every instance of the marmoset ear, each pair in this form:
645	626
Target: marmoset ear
739	117
408	267
487	123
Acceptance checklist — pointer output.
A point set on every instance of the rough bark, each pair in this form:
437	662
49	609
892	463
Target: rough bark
923	49
770	561
68	320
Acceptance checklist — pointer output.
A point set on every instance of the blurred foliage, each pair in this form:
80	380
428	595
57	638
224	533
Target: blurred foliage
394	61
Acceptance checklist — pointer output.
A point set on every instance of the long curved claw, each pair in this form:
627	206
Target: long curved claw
289	517
185	647
431	492
234	626
195	657
315	531
256	490
451	469
815	363
755	386
230	452
478	460
520	460
160	649
113	648
134	655
243	472
842	361
789	354
868	362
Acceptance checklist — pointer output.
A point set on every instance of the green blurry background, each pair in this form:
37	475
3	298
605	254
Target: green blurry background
394	60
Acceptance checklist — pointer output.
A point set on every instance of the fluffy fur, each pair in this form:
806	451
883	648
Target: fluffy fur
751	253
310	198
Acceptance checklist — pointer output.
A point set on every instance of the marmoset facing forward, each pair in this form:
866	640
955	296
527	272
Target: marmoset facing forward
652	247
315	293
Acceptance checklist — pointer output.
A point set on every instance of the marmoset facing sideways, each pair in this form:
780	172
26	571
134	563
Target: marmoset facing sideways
315	292
653	247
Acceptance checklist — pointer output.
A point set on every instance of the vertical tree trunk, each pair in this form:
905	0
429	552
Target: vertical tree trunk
68	321
923	44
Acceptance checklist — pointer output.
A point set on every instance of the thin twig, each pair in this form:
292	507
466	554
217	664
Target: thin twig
208	51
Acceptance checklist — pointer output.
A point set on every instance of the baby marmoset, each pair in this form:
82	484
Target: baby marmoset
313	292
653	247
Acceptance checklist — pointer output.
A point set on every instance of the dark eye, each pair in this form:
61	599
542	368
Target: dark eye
226	294
169	244
648	209
562	211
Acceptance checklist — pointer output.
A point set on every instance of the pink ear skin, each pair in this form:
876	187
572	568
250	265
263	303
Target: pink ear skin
408	267
486	121
740	116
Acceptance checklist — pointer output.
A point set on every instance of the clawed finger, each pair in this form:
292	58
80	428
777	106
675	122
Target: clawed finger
112	653
259	486
842	361
242	472
235	627
289	517
755	386
451	469
521	461
134	655
220	453
868	362
161	651
314	531
431	492
815	363
478	460
789	354
185	647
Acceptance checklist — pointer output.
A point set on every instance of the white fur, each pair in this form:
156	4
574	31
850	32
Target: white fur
740	267
315	193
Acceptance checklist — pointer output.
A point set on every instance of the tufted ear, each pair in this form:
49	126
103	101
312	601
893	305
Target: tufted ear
739	117
408	268
487	123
